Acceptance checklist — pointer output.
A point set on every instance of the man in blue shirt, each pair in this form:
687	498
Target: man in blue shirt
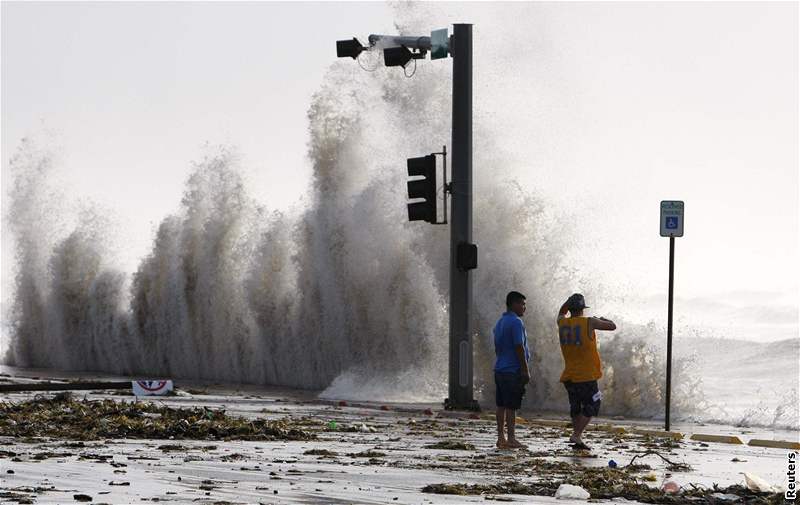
511	368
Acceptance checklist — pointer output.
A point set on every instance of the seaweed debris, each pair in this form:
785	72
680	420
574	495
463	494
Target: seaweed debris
321	452
64	417
604	483
673	466
452	445
367	454
508	487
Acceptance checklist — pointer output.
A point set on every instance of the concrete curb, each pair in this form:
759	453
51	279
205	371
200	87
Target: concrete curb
619	430
655	433
775	444
722	439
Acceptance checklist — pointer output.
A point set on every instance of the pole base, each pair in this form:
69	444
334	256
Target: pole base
472	405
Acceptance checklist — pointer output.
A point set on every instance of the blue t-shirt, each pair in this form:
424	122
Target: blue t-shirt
509	332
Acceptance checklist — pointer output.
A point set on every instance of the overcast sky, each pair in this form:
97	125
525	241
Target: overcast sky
636	102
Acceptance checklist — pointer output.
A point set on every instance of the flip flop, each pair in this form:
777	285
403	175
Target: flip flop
581	447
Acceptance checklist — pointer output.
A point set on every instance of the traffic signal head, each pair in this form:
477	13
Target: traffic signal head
348	48
422	188
397	56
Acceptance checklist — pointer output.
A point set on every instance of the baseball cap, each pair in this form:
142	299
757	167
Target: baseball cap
576	302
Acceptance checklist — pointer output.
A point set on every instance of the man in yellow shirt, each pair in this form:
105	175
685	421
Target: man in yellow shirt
582	365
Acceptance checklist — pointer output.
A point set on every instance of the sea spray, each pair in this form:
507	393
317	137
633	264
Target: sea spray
189	306
378	299
86	315
350	296
33	219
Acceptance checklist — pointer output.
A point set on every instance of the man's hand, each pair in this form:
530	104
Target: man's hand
526	377
562	312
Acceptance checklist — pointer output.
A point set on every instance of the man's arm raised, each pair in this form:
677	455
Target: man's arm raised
601	323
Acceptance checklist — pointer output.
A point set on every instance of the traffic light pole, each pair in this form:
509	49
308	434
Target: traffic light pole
463	253
460	369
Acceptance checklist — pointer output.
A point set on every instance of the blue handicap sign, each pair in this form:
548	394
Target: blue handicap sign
672	223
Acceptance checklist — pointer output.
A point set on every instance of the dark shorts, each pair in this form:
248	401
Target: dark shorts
509	390
584	398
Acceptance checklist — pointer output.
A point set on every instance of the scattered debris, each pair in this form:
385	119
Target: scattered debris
725	497
367	454
670	487
509	487
452	445
570	492
367	429
539	472
236	456
172	447
607	483
756	483
320	452
63	417
675	467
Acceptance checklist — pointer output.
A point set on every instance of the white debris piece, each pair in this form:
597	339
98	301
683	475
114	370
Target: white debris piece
725	497
756	483
670	487
570	492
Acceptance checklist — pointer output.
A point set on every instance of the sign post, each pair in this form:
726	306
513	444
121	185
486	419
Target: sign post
671	226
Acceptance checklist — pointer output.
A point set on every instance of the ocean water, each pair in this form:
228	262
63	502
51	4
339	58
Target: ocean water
346	296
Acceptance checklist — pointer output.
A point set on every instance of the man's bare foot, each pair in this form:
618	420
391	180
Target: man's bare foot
578	443
502	444
516	444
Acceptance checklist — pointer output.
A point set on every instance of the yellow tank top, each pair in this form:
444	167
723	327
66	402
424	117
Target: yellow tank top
579	348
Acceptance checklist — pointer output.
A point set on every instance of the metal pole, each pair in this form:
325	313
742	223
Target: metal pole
669	326
460	369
